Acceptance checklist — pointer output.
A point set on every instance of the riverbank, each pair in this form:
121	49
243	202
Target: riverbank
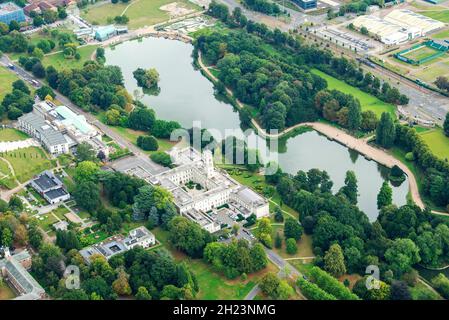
361	146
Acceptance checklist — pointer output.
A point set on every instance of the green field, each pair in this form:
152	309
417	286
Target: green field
437	142
141	13
6	80
9	134
441	35
441	15
367	101
6	293
27	162
420	53
58	61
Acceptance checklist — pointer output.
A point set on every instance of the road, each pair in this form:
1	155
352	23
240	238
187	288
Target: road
24	75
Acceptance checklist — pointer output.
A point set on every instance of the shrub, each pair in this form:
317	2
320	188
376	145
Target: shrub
312	292
328	283
290	246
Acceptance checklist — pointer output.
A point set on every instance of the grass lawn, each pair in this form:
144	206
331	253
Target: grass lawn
140	12
441	35
28	162
6	293
441	15
367	101
421	292
132	135
6	80
214	286
60	212
437	142
45	221
58	61
6	178
9	134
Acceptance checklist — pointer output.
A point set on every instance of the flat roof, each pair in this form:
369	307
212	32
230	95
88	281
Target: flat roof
45	182
8	7
55	193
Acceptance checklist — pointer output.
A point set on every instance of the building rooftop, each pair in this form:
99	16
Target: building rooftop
47	180
53	136
55	193
8	7
71	118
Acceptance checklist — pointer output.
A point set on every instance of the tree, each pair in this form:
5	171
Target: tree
399	291
86	171
334	261
292	229
188	236
87	195
446	123
385	195
38	70
141	118
291	246
278	216
402	255
121	285
20	85
142	294
441	284
85	152
278	241
7	237
385	132
263	231
148	143
350	189
269	284
161	158
45	91
146	78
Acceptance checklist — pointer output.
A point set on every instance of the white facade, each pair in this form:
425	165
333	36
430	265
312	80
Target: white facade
216	189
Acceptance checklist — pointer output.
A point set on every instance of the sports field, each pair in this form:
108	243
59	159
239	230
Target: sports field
437	142
140	12
420	53
367	101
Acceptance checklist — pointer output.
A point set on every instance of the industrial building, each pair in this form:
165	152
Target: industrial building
11	12
412	20
399	26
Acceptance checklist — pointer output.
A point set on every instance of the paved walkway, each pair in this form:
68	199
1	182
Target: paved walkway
6	146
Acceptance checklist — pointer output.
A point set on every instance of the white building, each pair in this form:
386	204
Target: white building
199	189
410	20
43	131
140	237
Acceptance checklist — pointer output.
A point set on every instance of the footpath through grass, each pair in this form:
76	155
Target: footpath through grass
367	101
58	60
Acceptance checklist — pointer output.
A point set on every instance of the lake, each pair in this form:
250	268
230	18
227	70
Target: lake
187	97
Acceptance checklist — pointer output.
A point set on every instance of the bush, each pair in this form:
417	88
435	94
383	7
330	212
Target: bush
409	156
161	158
312	292
328	283
147	143
290	246
441	284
